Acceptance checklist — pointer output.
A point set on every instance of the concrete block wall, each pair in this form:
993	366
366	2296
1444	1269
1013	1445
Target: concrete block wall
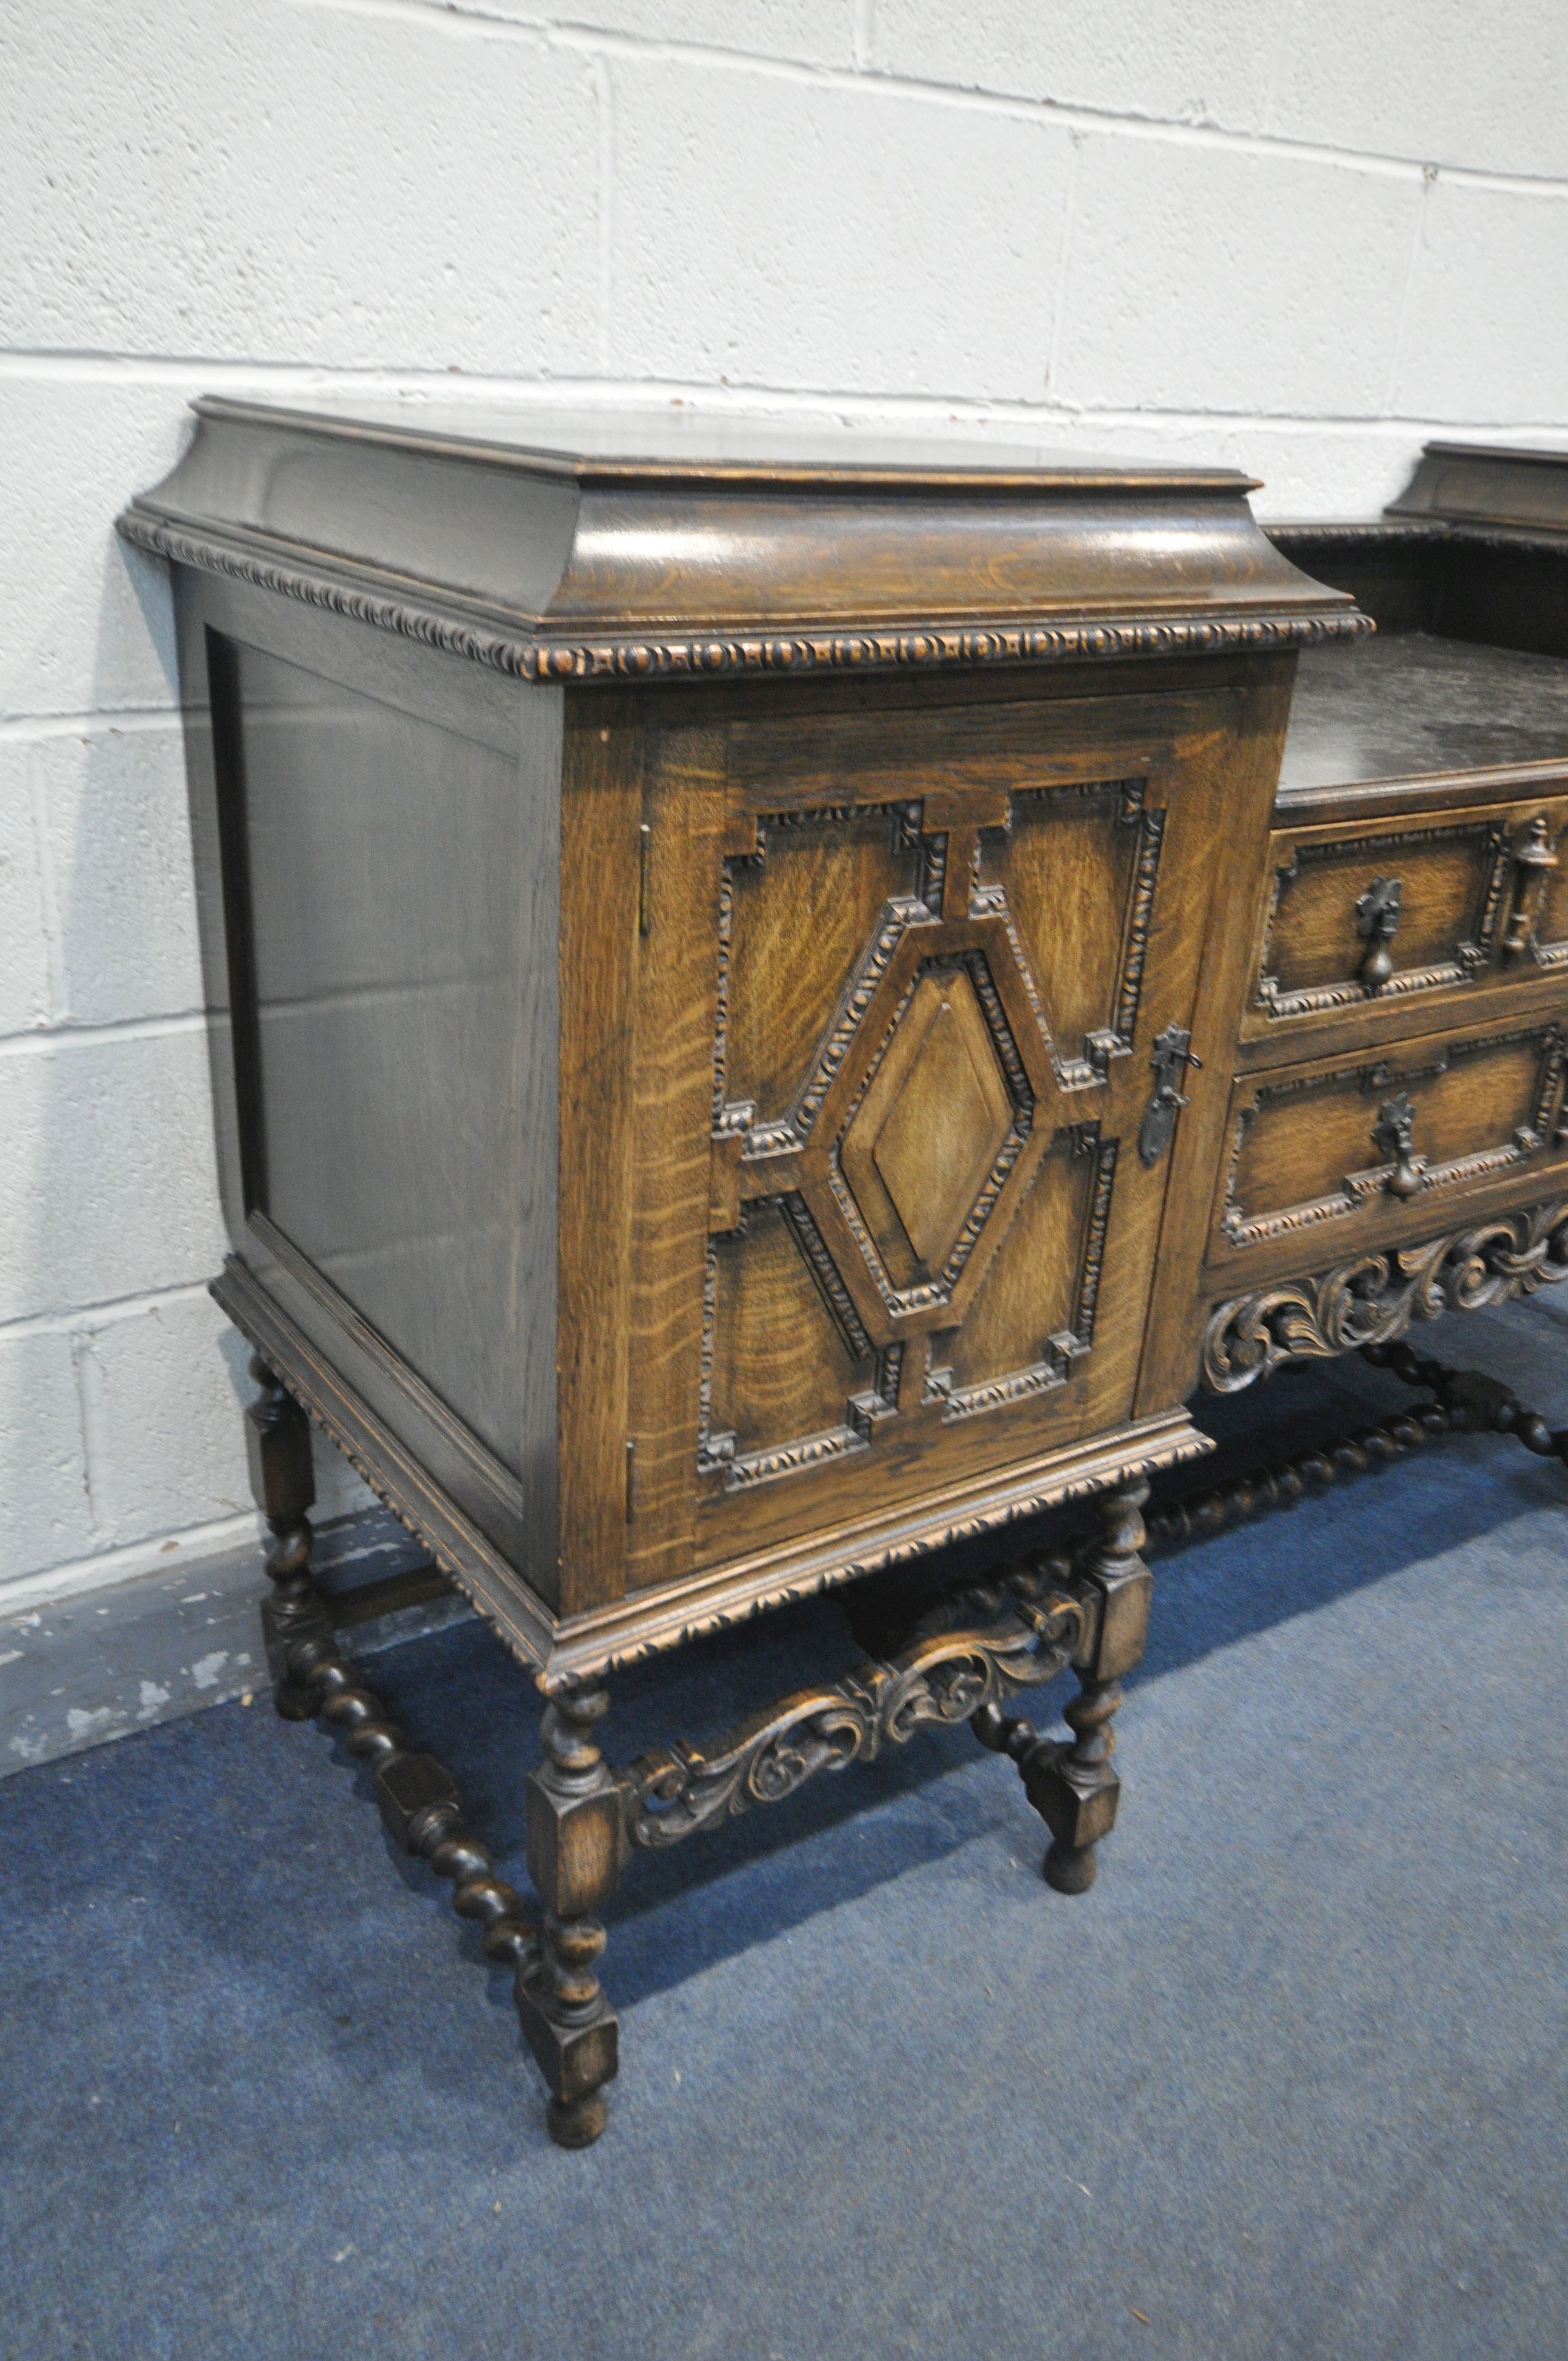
1297	235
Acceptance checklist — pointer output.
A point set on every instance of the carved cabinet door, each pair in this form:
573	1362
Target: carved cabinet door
912	994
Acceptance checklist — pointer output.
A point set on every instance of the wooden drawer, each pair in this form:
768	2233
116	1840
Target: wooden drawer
1384	919
1353	1152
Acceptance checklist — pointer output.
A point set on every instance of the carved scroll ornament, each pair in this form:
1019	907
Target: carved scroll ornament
1375	1299
943	1678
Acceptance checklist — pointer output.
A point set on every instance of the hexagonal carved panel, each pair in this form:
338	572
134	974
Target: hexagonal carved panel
916	1083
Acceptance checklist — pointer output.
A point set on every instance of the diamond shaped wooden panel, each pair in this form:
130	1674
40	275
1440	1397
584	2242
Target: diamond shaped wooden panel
925	1137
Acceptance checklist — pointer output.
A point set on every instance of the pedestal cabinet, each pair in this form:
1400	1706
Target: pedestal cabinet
725	961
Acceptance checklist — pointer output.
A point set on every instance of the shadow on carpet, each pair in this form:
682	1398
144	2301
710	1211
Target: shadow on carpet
462	1698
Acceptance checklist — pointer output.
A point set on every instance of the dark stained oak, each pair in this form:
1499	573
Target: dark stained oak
1411	705
773	1008
1483	486
680	549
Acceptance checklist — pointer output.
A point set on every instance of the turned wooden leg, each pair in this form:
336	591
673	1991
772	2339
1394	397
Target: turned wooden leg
576	1843
1074	1788
1076	1793
282	1477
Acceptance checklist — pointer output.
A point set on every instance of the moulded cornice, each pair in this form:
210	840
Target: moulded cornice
864	649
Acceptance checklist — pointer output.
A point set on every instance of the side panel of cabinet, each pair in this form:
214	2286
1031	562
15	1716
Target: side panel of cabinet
376	833
899	979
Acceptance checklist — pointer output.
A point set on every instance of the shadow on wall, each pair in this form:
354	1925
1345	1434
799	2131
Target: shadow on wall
120	1420
150	585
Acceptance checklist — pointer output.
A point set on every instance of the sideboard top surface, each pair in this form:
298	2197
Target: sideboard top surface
1466	574
1413	705
677	444
1471	483
651	544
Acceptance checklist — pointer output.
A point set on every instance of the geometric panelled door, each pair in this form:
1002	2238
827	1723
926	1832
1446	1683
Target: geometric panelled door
925	1106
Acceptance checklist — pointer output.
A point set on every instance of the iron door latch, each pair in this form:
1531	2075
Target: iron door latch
1170	1058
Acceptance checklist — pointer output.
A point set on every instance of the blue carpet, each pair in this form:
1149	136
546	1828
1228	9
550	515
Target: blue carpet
1289	2082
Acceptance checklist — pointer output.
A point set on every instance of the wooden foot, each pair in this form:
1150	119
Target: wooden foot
1076	1791
576	1826
418	1797
1070	1869
577	2123
577	1844
1074	1788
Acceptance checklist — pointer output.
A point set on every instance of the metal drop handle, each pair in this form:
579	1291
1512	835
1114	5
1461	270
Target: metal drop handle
1377	923
1393	1135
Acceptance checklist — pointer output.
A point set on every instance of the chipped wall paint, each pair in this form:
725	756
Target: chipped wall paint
99	1666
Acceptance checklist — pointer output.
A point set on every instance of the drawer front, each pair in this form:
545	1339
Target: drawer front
1382	915
1542	931
1353	1151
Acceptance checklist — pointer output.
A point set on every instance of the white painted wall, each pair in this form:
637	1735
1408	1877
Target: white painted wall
1298	235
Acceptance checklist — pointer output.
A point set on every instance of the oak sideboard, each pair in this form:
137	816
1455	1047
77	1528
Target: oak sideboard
778	1004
